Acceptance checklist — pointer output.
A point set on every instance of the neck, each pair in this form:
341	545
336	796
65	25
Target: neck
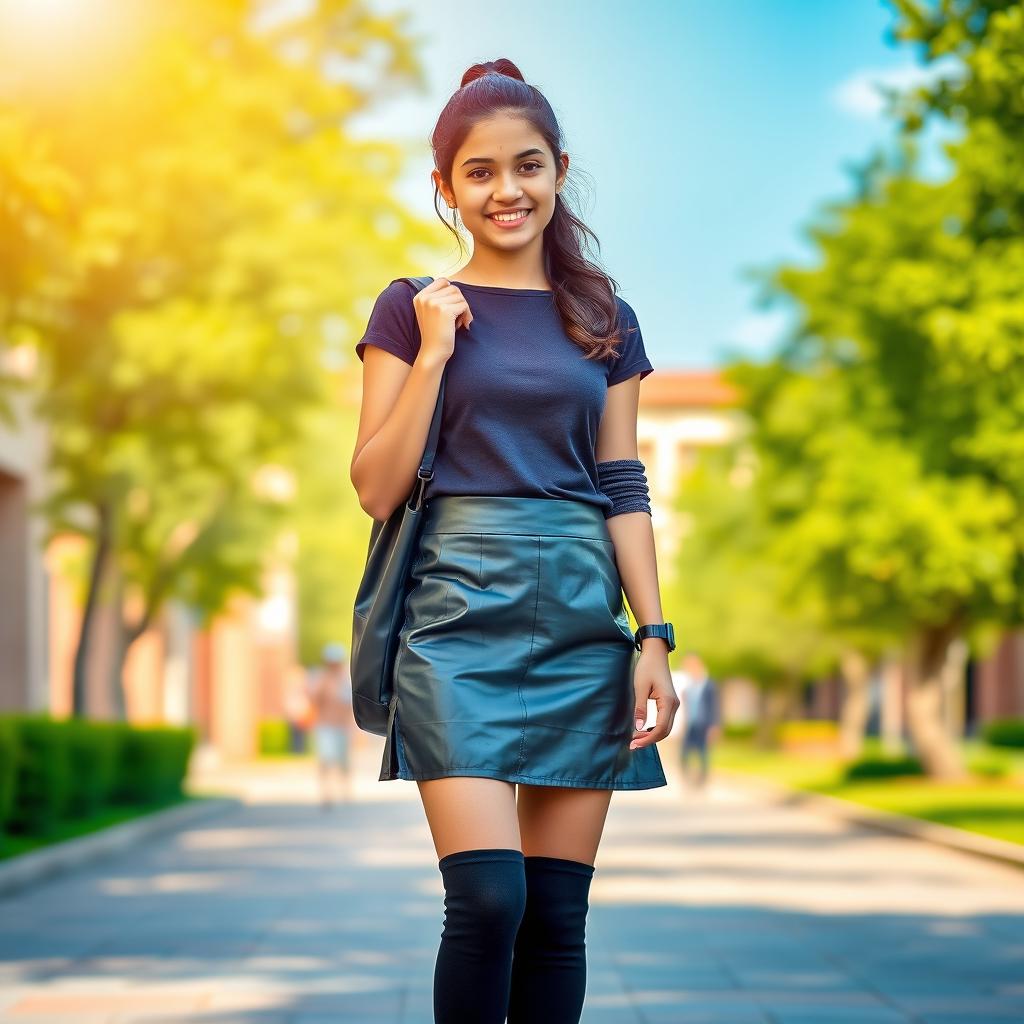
505	270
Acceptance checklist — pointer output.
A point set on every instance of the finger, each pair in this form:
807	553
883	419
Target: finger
441	288
457	310
663	722
645	739
465	317
639	713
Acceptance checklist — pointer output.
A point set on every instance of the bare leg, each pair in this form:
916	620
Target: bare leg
323	770
347	788
687	755
468	813
476	836
555	821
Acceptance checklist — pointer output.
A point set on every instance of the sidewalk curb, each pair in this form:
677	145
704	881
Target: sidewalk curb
888	821
27	869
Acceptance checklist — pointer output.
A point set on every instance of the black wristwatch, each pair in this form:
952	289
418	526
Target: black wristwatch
662	629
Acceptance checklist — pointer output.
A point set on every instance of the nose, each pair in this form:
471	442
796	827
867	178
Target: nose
506	189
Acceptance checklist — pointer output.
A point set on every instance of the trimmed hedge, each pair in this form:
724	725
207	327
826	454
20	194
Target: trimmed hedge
989	763
882	767
8	767
1004	732
59	770
738	730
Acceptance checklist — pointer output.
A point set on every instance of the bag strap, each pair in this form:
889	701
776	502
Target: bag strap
426	471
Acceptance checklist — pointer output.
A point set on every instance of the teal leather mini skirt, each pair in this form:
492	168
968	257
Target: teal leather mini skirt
515	656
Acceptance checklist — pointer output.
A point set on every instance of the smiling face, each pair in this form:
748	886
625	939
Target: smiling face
504	164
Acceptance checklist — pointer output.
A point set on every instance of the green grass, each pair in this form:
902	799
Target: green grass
13	845
992	807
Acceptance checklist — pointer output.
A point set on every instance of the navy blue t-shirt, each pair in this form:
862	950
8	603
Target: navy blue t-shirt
522	404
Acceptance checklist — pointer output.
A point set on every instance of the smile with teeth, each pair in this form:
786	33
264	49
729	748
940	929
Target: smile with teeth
510	218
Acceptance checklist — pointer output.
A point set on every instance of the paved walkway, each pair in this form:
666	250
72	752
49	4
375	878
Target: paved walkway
705	908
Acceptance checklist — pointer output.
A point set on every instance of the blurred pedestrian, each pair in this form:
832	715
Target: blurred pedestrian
701	715
330	692
298	711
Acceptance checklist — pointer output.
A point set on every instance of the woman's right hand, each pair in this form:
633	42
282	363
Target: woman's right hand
441	309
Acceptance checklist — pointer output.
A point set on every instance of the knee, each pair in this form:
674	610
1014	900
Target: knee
558	896
485	894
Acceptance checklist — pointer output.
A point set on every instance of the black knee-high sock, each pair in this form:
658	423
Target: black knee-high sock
485	894
549	965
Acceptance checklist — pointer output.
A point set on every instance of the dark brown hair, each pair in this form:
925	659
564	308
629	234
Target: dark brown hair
584	294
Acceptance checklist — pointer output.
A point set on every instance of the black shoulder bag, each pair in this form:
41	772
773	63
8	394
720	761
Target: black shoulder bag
380	596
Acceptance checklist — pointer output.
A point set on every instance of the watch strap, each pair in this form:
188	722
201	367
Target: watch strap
663	630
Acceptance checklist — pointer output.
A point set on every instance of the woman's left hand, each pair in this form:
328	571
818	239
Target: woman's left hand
652	680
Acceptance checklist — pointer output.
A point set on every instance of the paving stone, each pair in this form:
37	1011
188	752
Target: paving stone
829	1014
718	908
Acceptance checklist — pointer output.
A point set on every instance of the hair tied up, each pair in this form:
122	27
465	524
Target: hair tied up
584	294
501	66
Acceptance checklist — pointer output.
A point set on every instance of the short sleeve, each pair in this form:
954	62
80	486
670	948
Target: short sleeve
392	325
632	358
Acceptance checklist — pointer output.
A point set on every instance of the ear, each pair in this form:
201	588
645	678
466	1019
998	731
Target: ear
446	193
563	160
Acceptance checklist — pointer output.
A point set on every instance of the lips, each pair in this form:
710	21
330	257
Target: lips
524	215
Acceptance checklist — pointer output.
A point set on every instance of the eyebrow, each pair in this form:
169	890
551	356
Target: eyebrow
489	160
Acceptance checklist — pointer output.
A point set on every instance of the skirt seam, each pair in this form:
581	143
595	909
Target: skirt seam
529	658
505	533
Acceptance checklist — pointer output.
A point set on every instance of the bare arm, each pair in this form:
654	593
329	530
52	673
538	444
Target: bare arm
399	399
398	404
632	534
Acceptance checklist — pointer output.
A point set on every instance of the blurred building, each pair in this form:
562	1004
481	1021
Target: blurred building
995	685
681	412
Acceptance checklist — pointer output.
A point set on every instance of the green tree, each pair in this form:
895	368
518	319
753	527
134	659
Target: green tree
903	487
736	601
190	232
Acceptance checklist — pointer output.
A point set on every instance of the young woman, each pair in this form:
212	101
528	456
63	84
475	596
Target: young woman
517	712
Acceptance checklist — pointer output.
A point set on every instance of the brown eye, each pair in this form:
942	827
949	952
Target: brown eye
529	163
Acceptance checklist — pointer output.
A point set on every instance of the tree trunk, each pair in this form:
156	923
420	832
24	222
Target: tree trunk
101	552
122	641
926	657
891	726
775	705
853	718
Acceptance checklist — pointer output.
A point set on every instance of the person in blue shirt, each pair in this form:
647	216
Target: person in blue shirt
521	692
701	716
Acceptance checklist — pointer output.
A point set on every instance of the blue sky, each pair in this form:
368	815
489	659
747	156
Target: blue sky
708	134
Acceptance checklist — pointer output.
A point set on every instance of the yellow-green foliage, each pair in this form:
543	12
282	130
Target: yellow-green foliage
190	235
